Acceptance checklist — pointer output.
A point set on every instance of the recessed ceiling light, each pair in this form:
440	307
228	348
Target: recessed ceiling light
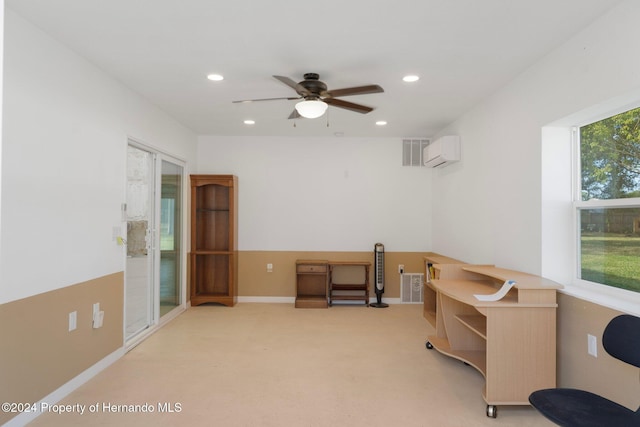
411	78
215	77
381	123
249	122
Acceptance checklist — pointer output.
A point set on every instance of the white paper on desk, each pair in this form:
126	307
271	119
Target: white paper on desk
498	295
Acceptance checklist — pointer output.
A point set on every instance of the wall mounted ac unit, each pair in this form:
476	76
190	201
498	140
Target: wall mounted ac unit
441	152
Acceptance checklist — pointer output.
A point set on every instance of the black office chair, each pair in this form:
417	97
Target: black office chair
576	408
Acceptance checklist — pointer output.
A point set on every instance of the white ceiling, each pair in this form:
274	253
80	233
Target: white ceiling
463	51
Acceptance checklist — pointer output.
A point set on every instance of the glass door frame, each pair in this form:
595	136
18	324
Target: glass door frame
157	320
181	254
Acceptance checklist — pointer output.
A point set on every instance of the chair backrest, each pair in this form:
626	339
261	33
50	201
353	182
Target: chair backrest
621	339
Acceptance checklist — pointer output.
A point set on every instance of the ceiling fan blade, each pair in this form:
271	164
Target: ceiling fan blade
287	81
348	105
295	115
264	99
359	90
294	85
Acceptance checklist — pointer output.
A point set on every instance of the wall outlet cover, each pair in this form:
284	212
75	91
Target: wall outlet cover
592	345
98	320
73	321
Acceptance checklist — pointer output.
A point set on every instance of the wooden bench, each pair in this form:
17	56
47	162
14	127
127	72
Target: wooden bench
346	283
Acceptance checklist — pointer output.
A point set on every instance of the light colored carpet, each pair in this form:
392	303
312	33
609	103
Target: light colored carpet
274	365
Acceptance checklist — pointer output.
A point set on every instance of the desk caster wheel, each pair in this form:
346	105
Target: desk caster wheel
492	411
429	345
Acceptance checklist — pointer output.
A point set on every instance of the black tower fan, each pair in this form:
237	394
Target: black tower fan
379	273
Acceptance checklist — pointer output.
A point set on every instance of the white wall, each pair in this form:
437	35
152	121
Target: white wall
323	194
64	162
64	144
501	173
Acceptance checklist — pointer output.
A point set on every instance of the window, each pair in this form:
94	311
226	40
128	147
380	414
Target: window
608	201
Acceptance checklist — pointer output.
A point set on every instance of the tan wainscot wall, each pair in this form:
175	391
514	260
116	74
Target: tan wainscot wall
254	280
39	353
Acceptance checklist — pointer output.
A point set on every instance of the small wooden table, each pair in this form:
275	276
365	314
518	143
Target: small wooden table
357	288
311	283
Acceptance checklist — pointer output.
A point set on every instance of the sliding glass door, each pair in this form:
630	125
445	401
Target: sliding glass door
170	236
140	266
154	285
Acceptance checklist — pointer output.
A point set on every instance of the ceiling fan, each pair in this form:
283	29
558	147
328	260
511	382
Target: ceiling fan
316	97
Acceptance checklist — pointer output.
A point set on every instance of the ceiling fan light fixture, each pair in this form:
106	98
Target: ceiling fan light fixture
311	109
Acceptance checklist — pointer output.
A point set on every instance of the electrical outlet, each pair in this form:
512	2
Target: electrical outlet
98	316
592	345
73	321
401	268
269	268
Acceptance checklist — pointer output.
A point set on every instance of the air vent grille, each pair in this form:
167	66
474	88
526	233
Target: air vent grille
412	149
412	287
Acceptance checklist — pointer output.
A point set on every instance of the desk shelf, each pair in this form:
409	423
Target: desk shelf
477	324
475	358
433	269
311	301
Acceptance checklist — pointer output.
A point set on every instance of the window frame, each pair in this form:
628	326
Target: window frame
596	292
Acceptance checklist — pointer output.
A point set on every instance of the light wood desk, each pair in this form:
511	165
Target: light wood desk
511	342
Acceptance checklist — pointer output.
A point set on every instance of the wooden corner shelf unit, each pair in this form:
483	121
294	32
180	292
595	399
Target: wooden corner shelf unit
511	341
213	260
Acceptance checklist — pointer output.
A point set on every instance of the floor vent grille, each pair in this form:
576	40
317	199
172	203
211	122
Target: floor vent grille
411	287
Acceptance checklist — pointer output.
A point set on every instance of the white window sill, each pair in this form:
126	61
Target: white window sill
616	299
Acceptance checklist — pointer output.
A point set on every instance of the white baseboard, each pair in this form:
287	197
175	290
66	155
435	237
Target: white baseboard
60	393
292	300
285	300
